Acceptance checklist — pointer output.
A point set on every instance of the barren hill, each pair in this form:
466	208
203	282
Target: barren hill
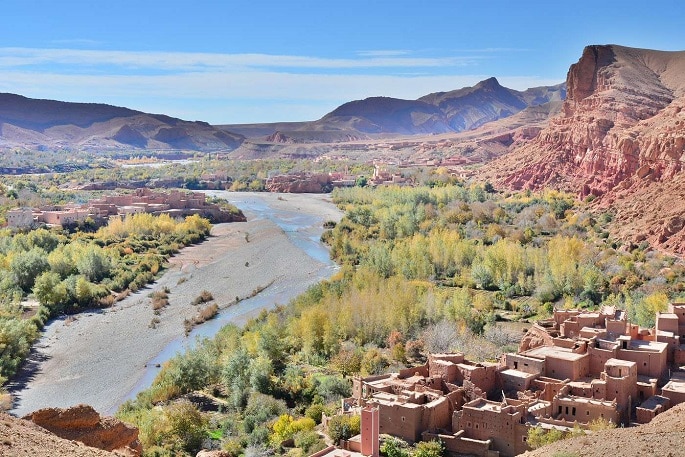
620	137
383	117
49	124
663	436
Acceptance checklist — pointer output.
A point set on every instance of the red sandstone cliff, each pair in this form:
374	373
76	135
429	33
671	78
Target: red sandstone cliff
621	137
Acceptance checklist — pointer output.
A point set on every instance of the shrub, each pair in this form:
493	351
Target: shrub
343	427
395	447
204	297
429	449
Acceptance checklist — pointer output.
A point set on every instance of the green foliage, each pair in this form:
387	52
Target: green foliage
422	269
27	265
538	436
429	449
395	447
343	427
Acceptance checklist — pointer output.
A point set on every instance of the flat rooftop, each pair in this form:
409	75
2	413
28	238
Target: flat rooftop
556	352
485	405
653	402
591	401
519	374
645	346
676	384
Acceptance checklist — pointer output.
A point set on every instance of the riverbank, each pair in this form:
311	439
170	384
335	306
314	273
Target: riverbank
99	358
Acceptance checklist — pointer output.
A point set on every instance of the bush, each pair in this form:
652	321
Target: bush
343	427
395	447
429	449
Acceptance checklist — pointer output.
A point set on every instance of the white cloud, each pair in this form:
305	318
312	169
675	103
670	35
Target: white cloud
233	88
181	61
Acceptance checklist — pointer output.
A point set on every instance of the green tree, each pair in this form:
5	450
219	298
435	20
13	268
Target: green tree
50	291
27	266
343	427
94	263
429	449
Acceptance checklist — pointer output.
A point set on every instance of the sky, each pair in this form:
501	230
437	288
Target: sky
228	62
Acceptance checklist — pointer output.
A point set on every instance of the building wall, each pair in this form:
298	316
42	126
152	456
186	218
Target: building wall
599	358
497	426
20	217
649	363
570	409
561	368
525	364
403	421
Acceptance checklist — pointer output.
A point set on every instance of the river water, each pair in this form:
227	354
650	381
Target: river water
302	229
105	357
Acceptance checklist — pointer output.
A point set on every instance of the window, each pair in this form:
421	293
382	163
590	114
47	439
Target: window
567	410
524	438
573	411
587	413
403	418
559	409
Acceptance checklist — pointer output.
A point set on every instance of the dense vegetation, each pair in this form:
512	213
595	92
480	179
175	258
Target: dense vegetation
422	269
66	272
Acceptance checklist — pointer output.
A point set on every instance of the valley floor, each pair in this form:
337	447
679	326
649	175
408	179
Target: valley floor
100	358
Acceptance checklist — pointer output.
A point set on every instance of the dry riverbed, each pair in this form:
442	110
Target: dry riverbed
99	357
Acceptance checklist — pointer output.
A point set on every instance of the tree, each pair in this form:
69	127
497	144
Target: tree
26	266
343	427
94	264
50	291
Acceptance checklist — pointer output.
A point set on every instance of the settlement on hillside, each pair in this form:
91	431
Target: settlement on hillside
570	370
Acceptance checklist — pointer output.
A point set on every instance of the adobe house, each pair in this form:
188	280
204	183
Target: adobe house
20	217
651	407
572	369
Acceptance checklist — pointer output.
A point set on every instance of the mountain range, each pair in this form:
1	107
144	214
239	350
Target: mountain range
617	138
48	124
53	125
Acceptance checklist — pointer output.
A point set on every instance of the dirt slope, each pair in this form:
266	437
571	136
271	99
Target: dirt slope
664	436
22	438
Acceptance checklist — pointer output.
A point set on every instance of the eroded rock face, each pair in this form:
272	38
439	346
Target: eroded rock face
82	423
622	129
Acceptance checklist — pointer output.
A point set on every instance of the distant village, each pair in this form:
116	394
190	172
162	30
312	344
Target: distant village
174	203
570	370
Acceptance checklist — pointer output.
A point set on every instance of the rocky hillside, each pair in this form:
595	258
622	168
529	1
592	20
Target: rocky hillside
49	125
75	432
620	137
663	436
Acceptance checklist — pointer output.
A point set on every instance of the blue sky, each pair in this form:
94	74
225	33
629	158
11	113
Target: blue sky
261	61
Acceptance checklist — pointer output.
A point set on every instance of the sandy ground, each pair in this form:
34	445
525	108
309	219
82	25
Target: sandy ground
99	357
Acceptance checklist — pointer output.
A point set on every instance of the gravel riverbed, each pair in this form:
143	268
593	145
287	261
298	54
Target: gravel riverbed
100	357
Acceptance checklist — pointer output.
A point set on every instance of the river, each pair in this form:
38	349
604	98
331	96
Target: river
104	357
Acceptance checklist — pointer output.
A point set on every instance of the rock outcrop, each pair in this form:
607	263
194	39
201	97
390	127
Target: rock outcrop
82	423
299	183
620	133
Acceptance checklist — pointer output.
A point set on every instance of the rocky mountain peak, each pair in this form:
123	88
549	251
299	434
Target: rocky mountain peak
621	135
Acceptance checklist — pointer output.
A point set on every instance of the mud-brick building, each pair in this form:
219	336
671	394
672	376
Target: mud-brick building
570	370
